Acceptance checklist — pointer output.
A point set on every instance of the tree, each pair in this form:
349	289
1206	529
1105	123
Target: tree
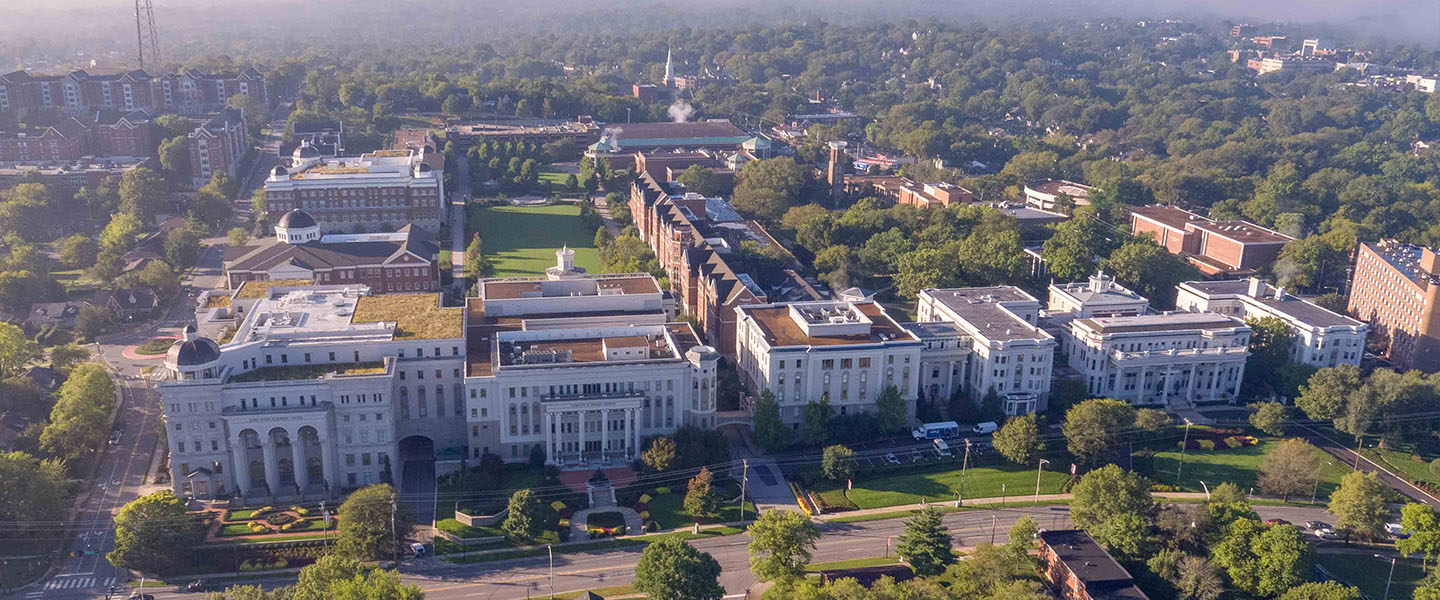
1270	347
119	233
1268	417
701	180
78	421
817	421
66	356
210	208
1323	590
16	351
238	237
1423	525
153	534
1323	397
700	498
175	157
925	544
765	189
837	462
1263	560
1019	439
1150	270
31	489
1196	579
891	408
1022	536
78	251
1075	249
142	193
1150	420
1291	468
1121	534
660	456
1359	505
182	247
1107	492
370	519
1092	427
781	544
257	201
770	429
522	516
669	569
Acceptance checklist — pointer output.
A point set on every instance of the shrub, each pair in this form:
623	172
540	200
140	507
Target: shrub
1164	487
660	491
1207	444
652	526
641	507
279	518
1233	442
619	530
262	511
645	514
557	506
300	510
565	513
645	498
563	523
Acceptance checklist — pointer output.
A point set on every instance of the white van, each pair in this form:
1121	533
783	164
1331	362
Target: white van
941	447
985	428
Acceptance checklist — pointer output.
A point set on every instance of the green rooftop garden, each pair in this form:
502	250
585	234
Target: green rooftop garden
416	316
296	372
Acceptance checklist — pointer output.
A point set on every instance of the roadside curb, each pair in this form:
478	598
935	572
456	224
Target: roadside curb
1434	500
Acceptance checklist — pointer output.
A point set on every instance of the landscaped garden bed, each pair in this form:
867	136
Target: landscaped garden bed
268	520
154	346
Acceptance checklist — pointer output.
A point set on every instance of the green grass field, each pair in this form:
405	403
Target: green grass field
1240	466
1395	460
554	180
669	509
1369	573
522	240
939	484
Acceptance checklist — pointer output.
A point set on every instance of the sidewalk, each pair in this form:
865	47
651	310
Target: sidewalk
978	502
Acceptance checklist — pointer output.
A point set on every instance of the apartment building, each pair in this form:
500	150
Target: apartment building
848	351
79	92
372	192
217	146
1395	288
1322	338
1079	569
1172	359
1003	347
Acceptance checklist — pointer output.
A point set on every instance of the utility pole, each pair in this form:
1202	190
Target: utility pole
964	464
394	540
325	527
1038	469
992	528
550	550
1182	452
744	477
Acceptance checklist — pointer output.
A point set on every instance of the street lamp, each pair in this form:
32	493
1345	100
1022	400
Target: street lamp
1182	451
1390	578
1038	469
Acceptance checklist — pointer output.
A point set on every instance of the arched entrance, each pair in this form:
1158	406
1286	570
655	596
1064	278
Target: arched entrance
417	476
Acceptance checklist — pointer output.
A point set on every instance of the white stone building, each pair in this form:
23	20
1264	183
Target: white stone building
1323	338
1098	297
1171	359
850	351
581	368
321	389
996	344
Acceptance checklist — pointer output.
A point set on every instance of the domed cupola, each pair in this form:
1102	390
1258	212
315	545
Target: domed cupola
193	357
297	227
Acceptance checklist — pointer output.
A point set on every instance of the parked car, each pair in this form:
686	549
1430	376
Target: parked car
1396	530
1276	522
942	448
419	550
891	458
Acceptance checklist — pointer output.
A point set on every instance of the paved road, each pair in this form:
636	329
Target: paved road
1348	456
459	234
519	578
120	479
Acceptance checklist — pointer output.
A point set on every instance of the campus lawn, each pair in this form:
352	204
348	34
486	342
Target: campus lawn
1240	466
1402	461
554	180
456	528
608	519
522	240
450	496
669	509
1370	574
940	483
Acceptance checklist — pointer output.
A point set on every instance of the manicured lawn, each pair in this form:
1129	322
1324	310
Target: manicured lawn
1392	459
605	592
669	509
854	563
242	528
155	346
456	528
608	519
554	179
1240	466
522	240
517	476
1369	573
939	484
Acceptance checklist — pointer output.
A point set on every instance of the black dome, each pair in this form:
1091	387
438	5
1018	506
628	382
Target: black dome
424	168
296	219
198	351
305	150
278	170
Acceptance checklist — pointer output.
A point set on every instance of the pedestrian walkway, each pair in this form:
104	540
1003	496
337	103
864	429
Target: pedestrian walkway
981	502
765	484
75	582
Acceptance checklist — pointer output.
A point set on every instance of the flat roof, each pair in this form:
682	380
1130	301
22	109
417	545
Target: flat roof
1242	231
1174	321
570	350
1059	186
529	287
416	316
1297	308
980	308
780	328
1102	575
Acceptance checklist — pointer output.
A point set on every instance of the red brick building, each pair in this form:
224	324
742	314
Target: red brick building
1396	289
80	92
217	146
1079	569
132	133
402	261
1215	247
67	140
371	192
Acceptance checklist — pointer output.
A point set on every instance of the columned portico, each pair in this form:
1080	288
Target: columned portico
618	438
299	429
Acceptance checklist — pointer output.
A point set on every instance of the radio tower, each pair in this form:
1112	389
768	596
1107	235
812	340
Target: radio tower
145	31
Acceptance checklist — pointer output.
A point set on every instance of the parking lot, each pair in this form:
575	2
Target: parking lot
908	451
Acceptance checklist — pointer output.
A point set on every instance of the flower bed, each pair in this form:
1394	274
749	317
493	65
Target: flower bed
1222	443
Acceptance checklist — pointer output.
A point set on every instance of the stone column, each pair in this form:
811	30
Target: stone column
581	429
549	418
298	458
604	432
328	474
239	468
634	432
272	467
